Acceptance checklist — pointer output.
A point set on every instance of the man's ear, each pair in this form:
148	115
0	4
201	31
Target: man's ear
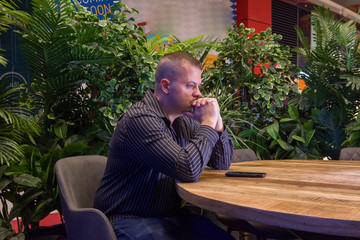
165	85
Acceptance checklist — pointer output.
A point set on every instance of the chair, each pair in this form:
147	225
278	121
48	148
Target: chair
242	155
78	179
262	231
350	153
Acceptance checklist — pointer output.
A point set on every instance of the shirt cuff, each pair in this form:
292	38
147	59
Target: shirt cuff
223	136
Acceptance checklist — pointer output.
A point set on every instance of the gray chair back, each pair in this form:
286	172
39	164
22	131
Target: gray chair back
78	179
350	153
242	155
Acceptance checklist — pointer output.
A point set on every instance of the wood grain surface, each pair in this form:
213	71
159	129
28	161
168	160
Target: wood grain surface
309	195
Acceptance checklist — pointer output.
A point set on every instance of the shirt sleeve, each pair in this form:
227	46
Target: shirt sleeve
150	142
222	153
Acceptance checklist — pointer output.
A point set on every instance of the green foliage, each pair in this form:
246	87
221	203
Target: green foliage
58	91
30	185
353	130
252	76
16	125
293	138
332	77
10	16
86	72
257	66
131	71
231	111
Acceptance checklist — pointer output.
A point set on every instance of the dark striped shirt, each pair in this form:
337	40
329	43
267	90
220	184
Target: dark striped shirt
148	154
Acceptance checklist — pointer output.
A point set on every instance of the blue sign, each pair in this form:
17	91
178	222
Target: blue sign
97	7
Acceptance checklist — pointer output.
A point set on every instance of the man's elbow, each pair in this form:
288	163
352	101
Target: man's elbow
189	180
191	177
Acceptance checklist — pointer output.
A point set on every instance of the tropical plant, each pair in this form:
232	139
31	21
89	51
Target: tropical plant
89	70
86	72
57	91
293	138
131	72
332	77
353	131
10	16
16	125
30	186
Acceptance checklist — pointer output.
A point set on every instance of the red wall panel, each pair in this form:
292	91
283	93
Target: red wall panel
254	14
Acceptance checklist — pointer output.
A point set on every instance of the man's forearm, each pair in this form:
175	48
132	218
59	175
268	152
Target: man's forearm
222	152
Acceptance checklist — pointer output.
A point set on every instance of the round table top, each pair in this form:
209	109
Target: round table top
310	195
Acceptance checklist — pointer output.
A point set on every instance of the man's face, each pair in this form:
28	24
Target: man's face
186	89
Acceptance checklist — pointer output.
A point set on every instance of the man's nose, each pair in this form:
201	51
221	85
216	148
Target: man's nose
197	92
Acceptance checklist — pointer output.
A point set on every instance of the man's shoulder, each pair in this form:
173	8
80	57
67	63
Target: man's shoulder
137	113
148	108
140	108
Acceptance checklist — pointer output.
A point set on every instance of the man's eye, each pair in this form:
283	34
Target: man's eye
191	85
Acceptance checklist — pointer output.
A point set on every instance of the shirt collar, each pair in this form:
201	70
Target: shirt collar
155	105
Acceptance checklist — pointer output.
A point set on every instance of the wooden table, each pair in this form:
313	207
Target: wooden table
308	195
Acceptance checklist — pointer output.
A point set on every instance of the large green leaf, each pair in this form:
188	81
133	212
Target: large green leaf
27	180
5	233
309	136
298	138
293	112
60	129
285	145
74	148
16	170
273	130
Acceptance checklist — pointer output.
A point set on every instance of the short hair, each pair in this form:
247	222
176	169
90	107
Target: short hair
170	66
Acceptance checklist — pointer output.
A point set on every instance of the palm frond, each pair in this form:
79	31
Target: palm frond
305	51
10	16
15	123
46	37
195	46
157	45
10	150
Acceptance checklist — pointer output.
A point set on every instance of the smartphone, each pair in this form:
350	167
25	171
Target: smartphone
245	174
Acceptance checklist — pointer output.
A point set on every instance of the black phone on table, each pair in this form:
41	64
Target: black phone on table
245	174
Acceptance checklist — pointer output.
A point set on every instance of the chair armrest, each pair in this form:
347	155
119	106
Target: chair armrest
87	223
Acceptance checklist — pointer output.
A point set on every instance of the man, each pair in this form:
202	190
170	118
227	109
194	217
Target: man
171	135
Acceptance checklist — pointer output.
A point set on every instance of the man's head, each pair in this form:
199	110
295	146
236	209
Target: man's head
177	81
170	66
